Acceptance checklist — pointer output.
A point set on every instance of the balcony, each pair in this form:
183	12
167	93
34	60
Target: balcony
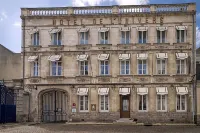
103	10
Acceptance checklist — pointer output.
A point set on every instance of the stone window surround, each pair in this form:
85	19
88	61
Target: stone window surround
166	61
35	68
35	39
138	99
142	66
161	34
84	71
104	67
185	65
56	68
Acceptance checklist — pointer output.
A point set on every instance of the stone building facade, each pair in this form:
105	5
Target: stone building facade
110	62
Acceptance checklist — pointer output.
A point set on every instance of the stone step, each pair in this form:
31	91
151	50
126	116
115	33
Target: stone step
125	120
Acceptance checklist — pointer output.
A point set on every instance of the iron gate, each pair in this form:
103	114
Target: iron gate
7	104
54	106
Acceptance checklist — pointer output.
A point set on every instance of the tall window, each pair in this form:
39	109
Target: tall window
142	66
83	37
104	103
142	36
161	66
125	67
56	68
161	36
181	103
125	38
181	36
35	68
104	68
83	67
142	102
104	37
181	66
56	38
83	103
35	39
161	102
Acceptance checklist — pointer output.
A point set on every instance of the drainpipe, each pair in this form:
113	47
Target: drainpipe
194	71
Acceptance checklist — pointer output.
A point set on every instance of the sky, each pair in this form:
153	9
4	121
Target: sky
10	22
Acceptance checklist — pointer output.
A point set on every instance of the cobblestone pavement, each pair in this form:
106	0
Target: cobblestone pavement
64	128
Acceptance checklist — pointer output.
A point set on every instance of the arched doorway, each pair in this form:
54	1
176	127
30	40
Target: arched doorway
54	106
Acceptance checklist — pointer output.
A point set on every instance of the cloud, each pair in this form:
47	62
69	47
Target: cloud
17	23
198	15
3	16
98	2
197	37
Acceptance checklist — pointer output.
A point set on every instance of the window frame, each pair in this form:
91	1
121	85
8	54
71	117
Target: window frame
143	103
84	40
161	35
104	103
104	67
142	32
180	37
125	37
57	39
36	62
84	71
161	103
142	67
57	65
104	40
185	65
37	35
84	103
181	110
161	66
125	67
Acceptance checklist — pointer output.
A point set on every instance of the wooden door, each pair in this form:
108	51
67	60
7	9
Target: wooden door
124	106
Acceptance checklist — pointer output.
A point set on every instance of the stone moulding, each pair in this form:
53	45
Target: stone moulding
56	47
104	79
124	46
104	46
83	79
35	79
35	47
83	46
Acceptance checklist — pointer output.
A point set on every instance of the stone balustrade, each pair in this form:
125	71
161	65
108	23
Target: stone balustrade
97	10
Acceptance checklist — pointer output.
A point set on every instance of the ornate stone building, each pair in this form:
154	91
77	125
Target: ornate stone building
110	62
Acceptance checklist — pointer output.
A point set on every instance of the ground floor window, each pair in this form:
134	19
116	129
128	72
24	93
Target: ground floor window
181	103
161	102
104	103
83	103
142	102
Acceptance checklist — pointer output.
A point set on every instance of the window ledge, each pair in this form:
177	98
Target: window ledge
35	46
182	43
161	43
55	77
125	44
142	75
104	76
79	45
56	45
34	77
104	44
142	43
83	76
84	111
181	75
161	75
124	75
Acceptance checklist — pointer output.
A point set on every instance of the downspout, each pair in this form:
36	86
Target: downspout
194	71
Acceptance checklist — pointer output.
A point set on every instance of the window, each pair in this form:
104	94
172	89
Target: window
142	102
35	68
104	103
181	66
161	36
125	38
104	37
161	102
142	36
142	66
84	37
56	68
125	67
83	103
104	68
56	38
181	103
83	67
161	66
35	39
181	36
